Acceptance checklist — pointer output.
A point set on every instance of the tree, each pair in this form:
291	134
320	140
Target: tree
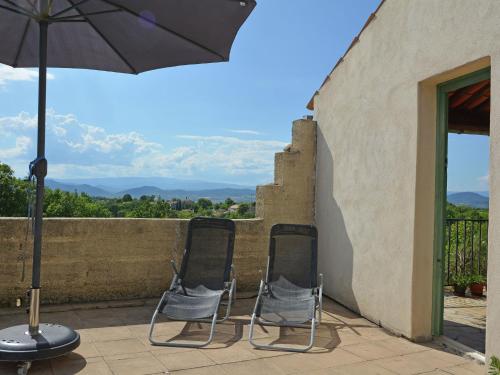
243	208
127	198
204	203
229	202
13	197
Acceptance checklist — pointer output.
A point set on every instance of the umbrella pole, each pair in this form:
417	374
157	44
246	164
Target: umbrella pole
39	169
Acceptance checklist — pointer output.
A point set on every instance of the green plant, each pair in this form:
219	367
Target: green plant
461	280
477	279
494	366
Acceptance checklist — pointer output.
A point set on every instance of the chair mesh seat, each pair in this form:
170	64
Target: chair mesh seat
284	289
287	311
185	307
287	303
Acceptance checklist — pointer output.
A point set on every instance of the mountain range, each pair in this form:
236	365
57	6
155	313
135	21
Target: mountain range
166	188
471	199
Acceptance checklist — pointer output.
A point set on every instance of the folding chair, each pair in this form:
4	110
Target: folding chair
290	296
196	292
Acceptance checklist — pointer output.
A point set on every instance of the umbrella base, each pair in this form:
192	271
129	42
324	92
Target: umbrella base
54	340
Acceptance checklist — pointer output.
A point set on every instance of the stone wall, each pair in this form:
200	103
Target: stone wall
103	259
108	259
290	199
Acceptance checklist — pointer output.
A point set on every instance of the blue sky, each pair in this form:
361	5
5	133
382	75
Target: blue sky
217	122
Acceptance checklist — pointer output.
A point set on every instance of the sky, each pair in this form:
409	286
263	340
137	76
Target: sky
216	122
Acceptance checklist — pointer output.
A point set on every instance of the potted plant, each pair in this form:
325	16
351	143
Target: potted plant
494	366
460	284
477	283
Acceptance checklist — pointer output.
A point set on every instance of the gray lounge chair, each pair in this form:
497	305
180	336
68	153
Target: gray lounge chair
196	292
290	295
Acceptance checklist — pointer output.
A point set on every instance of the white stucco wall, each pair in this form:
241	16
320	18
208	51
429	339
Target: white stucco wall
375	158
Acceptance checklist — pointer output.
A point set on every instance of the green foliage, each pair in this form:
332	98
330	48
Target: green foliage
57	203
127	198
477	279
494	366
461	281
465	212
13	198
468	235
64	204
228	203
203	204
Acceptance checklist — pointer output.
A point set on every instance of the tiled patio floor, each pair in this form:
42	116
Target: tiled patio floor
465	320
114	341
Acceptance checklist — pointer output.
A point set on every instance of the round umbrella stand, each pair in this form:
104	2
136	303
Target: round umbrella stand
53	340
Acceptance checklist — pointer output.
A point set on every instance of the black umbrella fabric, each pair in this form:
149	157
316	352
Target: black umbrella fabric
127	36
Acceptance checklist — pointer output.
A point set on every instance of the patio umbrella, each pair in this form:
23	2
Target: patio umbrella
128	36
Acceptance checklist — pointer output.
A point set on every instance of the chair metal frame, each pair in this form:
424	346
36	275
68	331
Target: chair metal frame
229	289
315	321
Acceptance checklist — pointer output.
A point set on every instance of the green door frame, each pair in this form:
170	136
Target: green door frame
440	193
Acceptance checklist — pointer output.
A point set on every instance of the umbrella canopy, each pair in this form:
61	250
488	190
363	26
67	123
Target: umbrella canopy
128	36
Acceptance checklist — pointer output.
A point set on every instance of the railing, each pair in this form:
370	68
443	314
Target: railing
466	248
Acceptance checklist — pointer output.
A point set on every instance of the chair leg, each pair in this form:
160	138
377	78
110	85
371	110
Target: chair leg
282	347
181	344
231	296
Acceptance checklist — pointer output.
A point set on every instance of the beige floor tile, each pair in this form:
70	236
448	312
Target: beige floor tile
349	338
159	348
262	353
370	351
420	362
161	329
209	370
94	366
439	359
405	365
85	335
184	360
238	352
370	333
467	369
110	348
366	368
401	346
85	350
109	333
139	330
38	368
135	364
255	367
313	361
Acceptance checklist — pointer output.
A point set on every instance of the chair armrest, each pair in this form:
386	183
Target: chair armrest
174	268
320	287
175	278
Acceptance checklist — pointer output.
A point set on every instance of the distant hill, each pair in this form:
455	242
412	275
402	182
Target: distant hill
215	195
118	184
237	194
81	188
469	199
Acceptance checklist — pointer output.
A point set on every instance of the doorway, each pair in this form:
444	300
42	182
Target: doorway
460	227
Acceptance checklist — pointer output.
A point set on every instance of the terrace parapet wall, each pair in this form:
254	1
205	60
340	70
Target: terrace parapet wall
91	260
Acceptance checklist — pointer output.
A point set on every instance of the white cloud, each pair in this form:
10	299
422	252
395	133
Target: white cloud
76	149
8	73
244	131
21	147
